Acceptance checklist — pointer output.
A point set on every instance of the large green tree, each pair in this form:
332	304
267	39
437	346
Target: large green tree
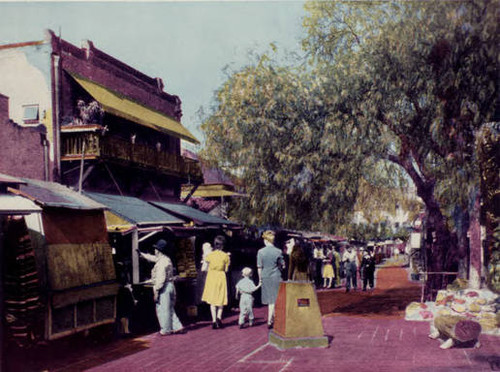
398	86
418	79
268	124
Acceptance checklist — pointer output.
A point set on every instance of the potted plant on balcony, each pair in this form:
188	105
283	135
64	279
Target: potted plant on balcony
91	113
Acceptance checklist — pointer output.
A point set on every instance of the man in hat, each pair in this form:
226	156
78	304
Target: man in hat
162	278
351	267
269	264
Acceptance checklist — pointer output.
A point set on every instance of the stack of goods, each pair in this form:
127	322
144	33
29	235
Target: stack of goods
481	306
22	306
420	311
186	265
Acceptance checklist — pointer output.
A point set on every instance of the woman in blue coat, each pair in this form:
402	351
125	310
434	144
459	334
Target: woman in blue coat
269	264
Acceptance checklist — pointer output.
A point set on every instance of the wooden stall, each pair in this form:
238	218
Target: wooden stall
134	224
73	259
12	207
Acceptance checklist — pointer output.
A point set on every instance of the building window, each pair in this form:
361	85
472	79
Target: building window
31	114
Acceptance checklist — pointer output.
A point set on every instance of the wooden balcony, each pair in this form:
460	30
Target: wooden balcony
116	149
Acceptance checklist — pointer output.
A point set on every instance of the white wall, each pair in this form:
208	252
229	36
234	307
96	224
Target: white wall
23	82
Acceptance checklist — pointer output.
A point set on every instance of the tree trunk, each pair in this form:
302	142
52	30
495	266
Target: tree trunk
442	252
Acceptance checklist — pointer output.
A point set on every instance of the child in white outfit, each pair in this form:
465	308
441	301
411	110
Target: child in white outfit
245	287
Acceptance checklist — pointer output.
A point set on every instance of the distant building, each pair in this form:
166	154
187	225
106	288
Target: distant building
80	117
400	218
213	194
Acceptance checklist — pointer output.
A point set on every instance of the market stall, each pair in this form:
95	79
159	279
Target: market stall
72	262
134	224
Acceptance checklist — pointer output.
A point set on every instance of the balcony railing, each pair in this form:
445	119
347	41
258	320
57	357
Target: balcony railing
97	146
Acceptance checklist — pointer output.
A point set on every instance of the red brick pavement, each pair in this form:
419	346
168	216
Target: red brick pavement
360	344
393	292
360	341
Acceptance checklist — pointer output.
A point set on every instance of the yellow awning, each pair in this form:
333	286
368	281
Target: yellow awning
115	223
209	191
115	104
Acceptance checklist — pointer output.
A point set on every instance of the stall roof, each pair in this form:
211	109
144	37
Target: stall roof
195	215
135	210
51	194
15	204
4	178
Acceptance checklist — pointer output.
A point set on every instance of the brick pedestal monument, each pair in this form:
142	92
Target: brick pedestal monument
297	321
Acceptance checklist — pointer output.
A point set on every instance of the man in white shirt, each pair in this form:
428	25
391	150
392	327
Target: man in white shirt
318	257
350	259
162	278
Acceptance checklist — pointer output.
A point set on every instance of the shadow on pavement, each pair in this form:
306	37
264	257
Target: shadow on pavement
392	294
492	360
75	353
390	302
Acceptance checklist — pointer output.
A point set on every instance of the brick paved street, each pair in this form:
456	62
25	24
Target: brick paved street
367	331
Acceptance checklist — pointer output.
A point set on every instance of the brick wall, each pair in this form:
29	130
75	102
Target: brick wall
4	109
95	65
104	69
21	149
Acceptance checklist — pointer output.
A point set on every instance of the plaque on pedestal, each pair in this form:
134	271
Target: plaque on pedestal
297	320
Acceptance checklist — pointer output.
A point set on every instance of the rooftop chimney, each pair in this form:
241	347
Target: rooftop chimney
88	46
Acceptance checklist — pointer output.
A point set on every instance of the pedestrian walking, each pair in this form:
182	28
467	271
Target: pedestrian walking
299	263
318	257
203	308
215	291
328	273
368	268
336	266
351	267
244	290
162	278
125	300
360	255
269	264
280	242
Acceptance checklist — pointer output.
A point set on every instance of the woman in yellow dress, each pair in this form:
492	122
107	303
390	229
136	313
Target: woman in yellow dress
215	291
328	273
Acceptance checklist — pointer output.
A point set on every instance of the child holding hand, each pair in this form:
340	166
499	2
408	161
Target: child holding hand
245	287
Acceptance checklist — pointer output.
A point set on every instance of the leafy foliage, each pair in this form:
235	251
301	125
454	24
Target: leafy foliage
394	92
417	79
422	82
269	125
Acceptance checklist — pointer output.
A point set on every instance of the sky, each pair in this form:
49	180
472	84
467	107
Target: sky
186	43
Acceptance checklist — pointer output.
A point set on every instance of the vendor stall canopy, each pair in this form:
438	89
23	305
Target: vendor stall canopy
126	212
17	205
51	194
14	204
191	214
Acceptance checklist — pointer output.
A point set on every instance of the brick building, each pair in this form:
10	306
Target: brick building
81	117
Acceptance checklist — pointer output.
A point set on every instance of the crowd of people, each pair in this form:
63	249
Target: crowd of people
292	259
